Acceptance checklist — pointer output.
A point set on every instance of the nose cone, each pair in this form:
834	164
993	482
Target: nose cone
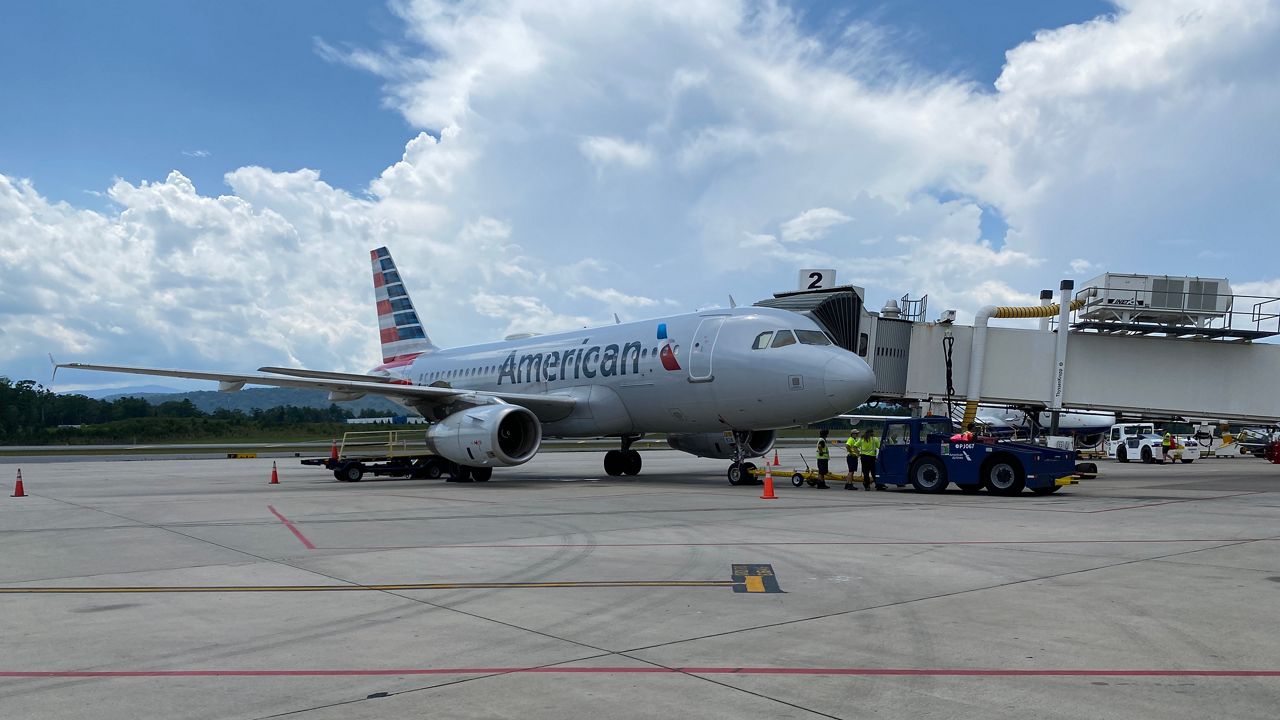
848	382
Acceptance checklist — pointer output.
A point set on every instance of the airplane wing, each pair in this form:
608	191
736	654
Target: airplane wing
548	408
327	375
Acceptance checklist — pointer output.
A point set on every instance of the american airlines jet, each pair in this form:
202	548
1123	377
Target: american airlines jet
719	383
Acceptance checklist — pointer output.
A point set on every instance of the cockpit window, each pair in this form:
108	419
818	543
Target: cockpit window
783	338
812	337
762	340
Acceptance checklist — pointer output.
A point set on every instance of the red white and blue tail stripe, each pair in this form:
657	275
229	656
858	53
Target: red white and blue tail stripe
403	337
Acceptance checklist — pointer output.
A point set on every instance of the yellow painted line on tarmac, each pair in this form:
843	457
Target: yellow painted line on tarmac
755	583
364	588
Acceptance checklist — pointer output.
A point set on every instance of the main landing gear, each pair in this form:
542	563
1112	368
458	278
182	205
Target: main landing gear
739	472
625	461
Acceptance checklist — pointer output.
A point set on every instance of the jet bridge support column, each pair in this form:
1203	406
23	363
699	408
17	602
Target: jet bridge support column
1060	354
1046	298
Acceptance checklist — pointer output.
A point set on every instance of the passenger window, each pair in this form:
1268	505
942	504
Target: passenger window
783	339
812	337
762	340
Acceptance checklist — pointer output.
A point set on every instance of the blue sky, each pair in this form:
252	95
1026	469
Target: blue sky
198	184
127	89
123	89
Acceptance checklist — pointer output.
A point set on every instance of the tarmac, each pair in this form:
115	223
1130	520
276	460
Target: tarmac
195	589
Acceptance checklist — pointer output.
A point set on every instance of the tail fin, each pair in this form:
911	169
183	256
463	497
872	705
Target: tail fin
402	335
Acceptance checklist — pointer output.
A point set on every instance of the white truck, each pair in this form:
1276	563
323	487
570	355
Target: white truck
1220	440
1140	441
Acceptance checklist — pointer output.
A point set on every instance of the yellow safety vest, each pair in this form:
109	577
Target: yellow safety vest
870	446
852	446
1167	441
823	452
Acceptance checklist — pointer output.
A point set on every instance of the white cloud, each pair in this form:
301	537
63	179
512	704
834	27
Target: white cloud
197	153
610	151
812	224
1141	141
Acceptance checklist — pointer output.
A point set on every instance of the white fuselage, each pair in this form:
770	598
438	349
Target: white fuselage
625	382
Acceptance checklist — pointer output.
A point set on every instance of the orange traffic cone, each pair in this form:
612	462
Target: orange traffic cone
775	458
17	486
768	485
333	451
275	476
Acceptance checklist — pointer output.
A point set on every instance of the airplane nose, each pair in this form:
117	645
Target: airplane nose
848	382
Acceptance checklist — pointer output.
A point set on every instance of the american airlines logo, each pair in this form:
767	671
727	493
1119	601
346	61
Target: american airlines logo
583	361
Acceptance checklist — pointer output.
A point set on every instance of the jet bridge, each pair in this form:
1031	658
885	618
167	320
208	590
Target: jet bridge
1137	344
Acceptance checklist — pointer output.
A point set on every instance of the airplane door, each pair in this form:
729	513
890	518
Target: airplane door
704	342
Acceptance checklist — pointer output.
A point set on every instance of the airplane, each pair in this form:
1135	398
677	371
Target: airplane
719	383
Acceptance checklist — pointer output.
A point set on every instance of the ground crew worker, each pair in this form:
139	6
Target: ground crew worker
868	449
824	458
852	448
1166	446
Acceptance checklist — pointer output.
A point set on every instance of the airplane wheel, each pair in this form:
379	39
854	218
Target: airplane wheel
632	462
735	474
969	489
797	480
481	474
351	472
614	462
928	475
461	473
1122	455
1004	477
747	477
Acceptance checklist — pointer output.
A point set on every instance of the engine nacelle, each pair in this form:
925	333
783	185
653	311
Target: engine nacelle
487	436
716	445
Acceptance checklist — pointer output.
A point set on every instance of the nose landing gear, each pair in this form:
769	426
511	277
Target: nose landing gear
739	472
625	461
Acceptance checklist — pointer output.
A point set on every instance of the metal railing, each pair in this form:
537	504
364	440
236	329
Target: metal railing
385	443
1183	314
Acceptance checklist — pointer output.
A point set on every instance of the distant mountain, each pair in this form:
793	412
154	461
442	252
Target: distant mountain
262	398
127	391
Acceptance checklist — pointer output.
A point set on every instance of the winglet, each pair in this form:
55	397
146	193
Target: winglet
732	304
54	375
616	320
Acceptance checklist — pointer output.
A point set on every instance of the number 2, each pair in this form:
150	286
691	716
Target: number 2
817	280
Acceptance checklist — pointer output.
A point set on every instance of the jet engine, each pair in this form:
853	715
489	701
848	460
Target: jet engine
716	445
487	436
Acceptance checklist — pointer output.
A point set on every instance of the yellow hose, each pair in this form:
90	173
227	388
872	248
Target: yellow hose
1033	311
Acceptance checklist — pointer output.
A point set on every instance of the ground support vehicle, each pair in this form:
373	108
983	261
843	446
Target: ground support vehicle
1141	441
922	452
394	453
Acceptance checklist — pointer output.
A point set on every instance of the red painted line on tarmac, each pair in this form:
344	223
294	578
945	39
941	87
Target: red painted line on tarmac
798	542
292	528
692	670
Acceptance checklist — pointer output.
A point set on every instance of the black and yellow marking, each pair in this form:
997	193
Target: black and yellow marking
746	578
755	578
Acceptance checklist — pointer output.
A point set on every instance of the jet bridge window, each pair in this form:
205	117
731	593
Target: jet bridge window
762	340
812	337
783	339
